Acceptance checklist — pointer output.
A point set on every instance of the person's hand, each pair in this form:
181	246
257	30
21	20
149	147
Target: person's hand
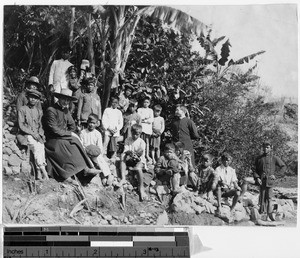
75	135
259	181
51	88
272	177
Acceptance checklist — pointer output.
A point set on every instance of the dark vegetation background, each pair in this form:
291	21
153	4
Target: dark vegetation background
134	44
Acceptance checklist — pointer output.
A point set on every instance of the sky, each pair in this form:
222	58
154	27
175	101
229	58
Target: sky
251	28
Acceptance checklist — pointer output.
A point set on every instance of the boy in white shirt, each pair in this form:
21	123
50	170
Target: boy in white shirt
227	185
112	122
133	157
147	117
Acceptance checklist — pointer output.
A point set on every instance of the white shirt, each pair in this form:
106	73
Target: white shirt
137	146
112	119
91	137
58	74
146	113
227	175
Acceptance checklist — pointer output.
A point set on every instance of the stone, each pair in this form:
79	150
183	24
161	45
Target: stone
143	215
25	167
199	209
125	220
7	151
254	216
113	222
5	157
152	190
129	187
162	190
104	222
10	123
5	127
4	163
162	219
113	170
14	160
16	170
130	218
183	202
10	137
108	217
97	181
152	183
147	222
110	180
7	171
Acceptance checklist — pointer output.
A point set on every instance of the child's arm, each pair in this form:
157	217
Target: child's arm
23	126
162	125
105	120
120	121
99	109
80	104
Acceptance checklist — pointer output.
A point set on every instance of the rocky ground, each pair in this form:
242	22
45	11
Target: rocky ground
29	201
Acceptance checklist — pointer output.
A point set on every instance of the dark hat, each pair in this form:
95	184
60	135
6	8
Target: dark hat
93	118
33	80
93	150
226	155
267	143
65	93
34	93
72	67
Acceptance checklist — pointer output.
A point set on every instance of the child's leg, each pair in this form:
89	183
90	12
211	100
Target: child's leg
147	147
157	152
175	180
139	170
219	195
152	154
105	144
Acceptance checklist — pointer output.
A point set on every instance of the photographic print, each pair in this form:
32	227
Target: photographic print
150	115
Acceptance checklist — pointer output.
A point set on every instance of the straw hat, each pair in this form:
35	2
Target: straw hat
33	80
65	93
84	64
34	93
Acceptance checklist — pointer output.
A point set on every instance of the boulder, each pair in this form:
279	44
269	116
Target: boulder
254	216
7	171
16	170
25	167
104	222
162	219
10	137
130	218
113	222
198	209
14	160
183	202
147	222
5	157
108	217
225	214
7	151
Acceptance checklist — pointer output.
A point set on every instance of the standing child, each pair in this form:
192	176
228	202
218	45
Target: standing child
112	123
124	98
91	140
131	117
208	177
158	127
89	103
147	117
133	157
29	120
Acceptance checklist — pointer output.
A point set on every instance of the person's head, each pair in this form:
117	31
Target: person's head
32	83
267	147
64	97
92	122
136	131
90	84
169	150
72	71
226	159
114	102
146	102
128	90
180	111
65	52
33	97
207	160
157	110
132	106
179	148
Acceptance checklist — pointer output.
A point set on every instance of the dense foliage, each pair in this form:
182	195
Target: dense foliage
219	96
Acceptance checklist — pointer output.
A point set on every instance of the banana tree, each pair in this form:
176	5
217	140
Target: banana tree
116	27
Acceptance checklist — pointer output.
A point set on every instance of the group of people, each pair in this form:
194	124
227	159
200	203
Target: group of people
76	139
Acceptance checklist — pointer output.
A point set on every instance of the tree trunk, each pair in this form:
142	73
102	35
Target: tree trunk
91	54
71	36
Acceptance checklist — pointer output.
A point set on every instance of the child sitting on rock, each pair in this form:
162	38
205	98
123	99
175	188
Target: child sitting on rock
131	117
167	169
29	121
133	158
208	177
187	169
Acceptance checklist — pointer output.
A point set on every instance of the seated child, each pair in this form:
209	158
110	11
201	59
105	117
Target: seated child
133	158
131	117
29	121
88	103
207	176
187	169
92	137
226	184
167	169
31	84
158	128
112	123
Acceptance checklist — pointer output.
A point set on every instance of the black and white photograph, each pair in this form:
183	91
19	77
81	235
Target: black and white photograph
150	115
